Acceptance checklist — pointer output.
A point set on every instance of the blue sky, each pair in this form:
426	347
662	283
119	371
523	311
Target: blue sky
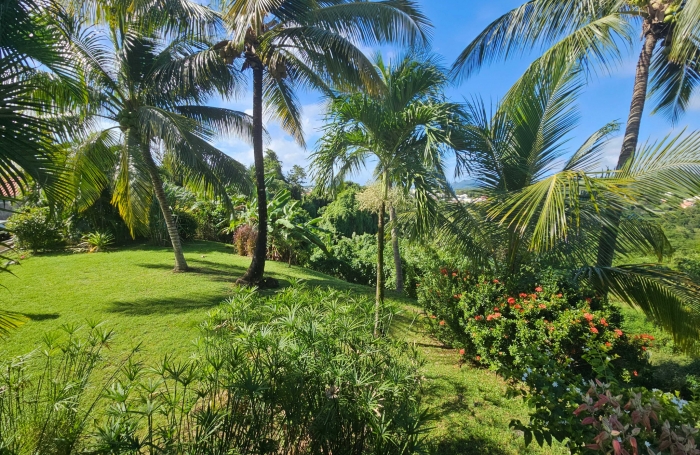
605	99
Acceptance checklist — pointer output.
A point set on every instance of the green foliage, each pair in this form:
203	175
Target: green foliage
47	400
34	229
353	259
498	324
98	241
244	239
298	371
343	216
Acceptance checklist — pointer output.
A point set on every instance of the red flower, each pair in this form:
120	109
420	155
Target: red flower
594	330
454	274
560	295
589	300
604	322
443	271
608	344
442	322
517	307
496	309
496	281
478	358
478	318
588	316
542	306
461	352
635	373
432	316
496	315
538	289
511	300
523	295
618	332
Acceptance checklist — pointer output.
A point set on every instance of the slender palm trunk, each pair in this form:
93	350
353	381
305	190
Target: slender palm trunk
397	252
379	303
255	272
608	238
180	263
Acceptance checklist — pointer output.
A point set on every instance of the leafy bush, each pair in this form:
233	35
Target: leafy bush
210	217
185	221
33	229
297	373
244	239
498	328
354	260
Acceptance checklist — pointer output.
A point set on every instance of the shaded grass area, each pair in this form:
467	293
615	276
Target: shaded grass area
134	292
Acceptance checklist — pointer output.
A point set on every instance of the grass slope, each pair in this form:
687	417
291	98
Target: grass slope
134	292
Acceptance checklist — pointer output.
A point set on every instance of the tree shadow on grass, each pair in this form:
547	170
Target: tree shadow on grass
466	445
41	316
173	305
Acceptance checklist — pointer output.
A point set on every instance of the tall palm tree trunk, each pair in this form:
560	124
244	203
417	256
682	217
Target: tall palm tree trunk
180	263
397	253
380	257
255	272
608	238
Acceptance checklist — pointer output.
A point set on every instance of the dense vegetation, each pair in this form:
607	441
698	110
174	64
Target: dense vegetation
107	123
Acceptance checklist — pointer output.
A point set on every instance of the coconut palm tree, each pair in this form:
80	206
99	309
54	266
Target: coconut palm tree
591	33
542	206
297	44
407	129
147	86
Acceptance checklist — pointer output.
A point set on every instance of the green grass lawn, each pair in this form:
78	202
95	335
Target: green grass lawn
134	292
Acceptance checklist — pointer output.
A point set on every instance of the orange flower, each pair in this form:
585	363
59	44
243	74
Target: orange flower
594	330
461	352
496	281
635	373
478	358
618	332
496	315
608	344
542	306
496	309
454	274
442	322
517	307
588	316
478	318
560	295
604	322
511	300
523	295
432	316
538	289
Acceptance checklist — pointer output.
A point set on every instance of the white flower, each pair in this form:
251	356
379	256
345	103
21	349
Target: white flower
529	370
647	443
619	439
555	384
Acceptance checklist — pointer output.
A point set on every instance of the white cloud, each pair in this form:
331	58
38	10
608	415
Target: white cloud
694	104
611	153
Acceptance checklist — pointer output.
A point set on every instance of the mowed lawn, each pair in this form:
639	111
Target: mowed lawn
133	292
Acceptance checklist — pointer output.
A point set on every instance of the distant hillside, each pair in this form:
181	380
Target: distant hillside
468	184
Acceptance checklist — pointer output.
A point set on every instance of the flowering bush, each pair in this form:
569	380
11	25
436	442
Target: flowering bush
498	328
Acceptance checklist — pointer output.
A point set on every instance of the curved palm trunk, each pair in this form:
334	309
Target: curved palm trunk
180	263
255	272
397	253
608	239
379	303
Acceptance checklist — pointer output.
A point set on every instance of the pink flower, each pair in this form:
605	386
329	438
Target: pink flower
511	300
588	316
461	352
594	330
523	295
538	289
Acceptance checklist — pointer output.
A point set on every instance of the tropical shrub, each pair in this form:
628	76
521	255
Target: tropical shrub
35	230
244	240
497	324
299	372
210	217
353	259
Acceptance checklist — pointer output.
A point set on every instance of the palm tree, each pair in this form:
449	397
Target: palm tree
591	33
147	83
35	75
541	205
292	44
407	129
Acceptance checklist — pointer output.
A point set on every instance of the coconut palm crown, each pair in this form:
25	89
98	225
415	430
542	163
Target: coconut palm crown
299	44
148	84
